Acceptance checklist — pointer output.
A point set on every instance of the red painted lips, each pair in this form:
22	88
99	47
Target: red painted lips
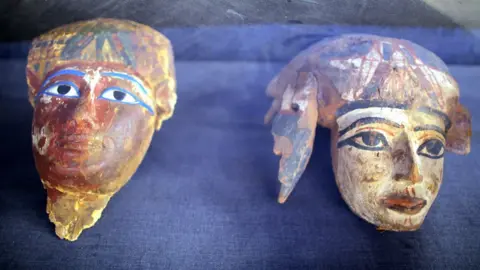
404	204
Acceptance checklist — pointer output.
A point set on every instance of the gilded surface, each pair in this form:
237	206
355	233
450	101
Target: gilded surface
393	110
99	89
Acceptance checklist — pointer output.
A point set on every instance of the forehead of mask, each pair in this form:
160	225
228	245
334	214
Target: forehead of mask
137	48
404	118
373	68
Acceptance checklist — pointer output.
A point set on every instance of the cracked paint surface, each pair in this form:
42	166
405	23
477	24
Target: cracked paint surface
99	89
393	110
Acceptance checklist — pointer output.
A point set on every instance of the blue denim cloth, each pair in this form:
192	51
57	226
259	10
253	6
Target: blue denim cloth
205	195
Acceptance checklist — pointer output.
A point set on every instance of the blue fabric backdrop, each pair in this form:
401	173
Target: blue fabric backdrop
205	195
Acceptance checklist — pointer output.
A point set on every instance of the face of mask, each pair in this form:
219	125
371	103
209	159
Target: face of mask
99	89
388	164
393	111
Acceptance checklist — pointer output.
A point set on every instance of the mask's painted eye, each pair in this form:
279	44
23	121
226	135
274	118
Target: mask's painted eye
62	89
432	148
119	95
368	140
123	96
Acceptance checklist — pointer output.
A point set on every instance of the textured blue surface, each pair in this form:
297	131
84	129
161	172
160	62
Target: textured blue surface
205	196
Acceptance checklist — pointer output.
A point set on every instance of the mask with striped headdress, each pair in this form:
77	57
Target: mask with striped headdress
99	90
393	110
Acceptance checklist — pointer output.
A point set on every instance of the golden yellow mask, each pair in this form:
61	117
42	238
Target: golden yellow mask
99	89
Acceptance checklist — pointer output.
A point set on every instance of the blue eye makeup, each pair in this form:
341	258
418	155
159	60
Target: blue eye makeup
121	95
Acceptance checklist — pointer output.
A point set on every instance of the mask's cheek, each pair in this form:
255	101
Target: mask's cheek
41	139
127	136
48	116
361	176
131	129
432	172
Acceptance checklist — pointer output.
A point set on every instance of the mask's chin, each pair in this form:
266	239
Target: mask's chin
391	212
72	212
396	221
75	208
395	213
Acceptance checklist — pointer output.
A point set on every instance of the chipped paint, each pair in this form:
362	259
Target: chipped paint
384	100
92	77
83	146
46	99
41	139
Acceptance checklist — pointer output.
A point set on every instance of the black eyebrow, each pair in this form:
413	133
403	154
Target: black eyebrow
431	127
445	118
363	104
366	121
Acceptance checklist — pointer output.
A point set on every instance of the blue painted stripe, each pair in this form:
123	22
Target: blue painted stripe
126	77
64	72
137	99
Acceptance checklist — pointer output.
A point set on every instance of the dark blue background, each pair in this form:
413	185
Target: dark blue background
205	195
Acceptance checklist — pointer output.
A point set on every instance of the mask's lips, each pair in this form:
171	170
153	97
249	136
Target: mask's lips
404	204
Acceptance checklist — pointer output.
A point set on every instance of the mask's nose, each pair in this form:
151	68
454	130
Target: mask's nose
84	116
406	167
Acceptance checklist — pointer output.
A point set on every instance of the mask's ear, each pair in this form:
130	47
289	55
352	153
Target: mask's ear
459	135
34	84
293	129
166	99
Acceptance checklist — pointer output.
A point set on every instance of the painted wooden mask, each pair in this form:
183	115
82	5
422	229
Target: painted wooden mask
99	90
393	110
